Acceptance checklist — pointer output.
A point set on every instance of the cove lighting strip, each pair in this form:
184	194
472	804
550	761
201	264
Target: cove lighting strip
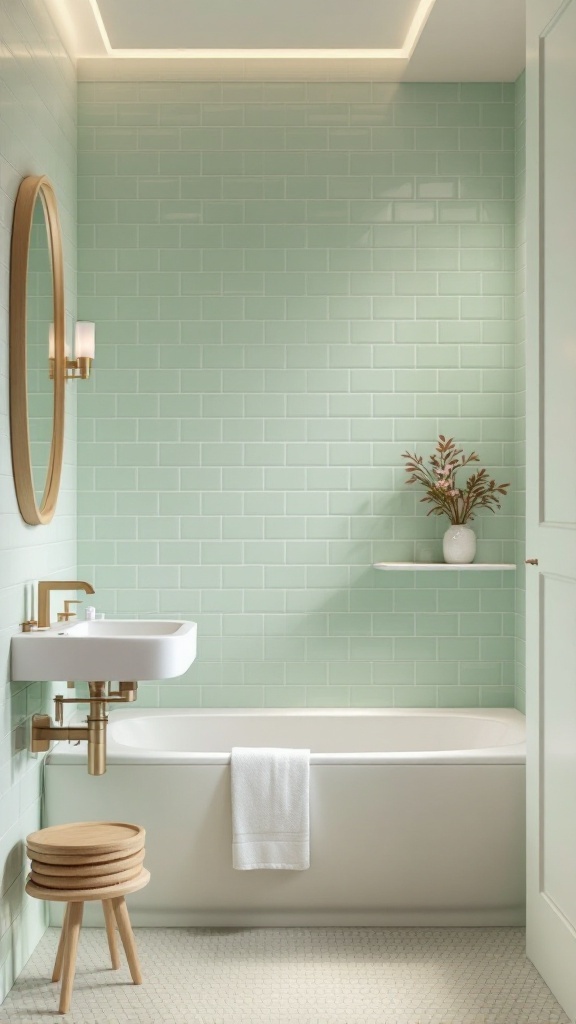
403	53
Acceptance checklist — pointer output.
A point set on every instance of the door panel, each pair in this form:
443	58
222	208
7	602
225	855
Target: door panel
558	256
558	696
551	494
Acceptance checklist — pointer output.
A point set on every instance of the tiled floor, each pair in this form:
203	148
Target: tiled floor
296	976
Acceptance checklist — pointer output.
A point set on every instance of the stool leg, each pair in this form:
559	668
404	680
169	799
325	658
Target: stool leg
57	972
127	936
72	935
111	933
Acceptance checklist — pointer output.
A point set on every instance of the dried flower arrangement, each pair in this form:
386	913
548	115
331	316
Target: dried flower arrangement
459	504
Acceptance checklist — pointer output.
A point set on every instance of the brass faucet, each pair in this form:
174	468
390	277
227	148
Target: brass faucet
43	730
44	589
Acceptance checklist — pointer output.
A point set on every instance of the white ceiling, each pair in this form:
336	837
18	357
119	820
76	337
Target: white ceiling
387	40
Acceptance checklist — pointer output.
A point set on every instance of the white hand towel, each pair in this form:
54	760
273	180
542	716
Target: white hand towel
270	808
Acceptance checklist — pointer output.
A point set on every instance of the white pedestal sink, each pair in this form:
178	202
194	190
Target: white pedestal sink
110	649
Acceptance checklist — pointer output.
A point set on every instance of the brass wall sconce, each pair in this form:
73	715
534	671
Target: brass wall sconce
84	349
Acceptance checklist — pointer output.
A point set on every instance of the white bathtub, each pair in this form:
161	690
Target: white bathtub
417	816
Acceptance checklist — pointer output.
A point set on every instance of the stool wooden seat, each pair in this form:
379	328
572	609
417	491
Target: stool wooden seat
69	866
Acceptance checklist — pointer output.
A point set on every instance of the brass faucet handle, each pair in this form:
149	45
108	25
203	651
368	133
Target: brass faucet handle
67	614
28	625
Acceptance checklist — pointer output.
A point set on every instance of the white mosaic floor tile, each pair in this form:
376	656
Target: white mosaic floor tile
295	976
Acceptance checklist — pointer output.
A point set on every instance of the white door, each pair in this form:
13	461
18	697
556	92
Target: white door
551	488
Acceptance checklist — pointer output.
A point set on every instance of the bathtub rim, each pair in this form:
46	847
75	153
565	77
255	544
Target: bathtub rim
117	753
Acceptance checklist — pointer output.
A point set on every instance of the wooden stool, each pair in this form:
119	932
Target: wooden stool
83	862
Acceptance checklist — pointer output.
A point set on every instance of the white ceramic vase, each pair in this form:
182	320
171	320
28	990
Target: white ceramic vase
459	545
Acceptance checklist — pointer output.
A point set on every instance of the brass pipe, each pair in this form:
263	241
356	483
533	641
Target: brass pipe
97	746
94	732
43	732
97	721
113	697
126	692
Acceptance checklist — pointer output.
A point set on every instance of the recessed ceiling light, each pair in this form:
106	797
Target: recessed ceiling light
403	52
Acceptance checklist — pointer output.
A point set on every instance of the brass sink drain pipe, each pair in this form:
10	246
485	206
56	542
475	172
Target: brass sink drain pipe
94	732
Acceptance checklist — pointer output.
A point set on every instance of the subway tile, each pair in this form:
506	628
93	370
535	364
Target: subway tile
481	139
415	162
284	92
174	696
332	264
457	162
498	163
481	308
185	114
263	114
437	188
392	138
459	284
498	212
246	138
157	577
415	696
415	649
118	139
458	648
459	114
458	696
459	212
481	92
132	504
439	259
415	114
416	284
437	139
176	552
414	212
501	696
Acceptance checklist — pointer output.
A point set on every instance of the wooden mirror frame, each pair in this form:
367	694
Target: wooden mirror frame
30	189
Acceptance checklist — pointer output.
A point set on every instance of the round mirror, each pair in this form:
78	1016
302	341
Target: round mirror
37	357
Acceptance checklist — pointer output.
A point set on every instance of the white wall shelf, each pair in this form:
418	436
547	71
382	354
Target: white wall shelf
444	566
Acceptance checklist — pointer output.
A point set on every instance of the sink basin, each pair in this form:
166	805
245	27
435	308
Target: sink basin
108	649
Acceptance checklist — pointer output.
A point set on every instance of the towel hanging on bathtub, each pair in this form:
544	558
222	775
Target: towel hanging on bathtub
270	808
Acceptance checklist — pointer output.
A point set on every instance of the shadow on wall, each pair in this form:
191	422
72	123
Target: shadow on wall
13	916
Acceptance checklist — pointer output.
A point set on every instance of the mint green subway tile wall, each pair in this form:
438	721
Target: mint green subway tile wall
520	457
37	136
294	283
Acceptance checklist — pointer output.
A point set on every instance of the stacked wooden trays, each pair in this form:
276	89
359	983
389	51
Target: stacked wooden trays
89	855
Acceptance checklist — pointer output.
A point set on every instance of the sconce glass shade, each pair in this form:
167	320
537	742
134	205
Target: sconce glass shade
84	348
51	351
85	340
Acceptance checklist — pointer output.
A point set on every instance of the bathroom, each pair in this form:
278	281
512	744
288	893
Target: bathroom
299	268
